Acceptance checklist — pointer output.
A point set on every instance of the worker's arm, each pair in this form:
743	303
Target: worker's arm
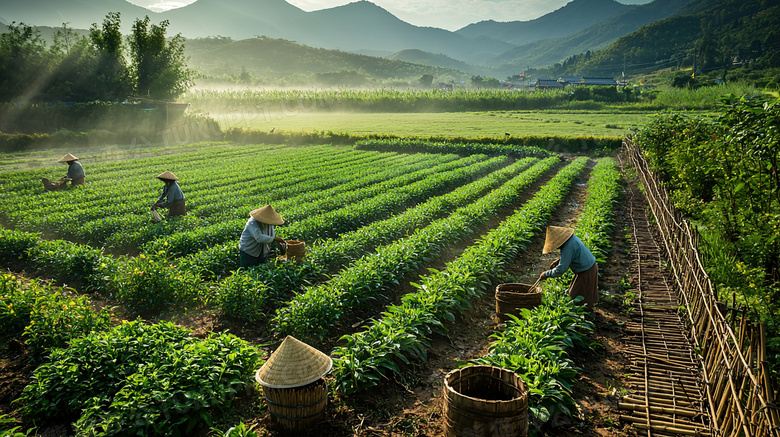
260	236
567	251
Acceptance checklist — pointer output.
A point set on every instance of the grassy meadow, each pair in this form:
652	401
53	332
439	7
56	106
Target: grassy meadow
448	124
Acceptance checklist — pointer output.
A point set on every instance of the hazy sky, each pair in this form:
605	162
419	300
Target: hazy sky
446	14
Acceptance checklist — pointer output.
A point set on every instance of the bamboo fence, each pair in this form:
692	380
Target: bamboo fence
738	384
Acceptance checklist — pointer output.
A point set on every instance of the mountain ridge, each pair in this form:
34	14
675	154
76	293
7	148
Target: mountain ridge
569	19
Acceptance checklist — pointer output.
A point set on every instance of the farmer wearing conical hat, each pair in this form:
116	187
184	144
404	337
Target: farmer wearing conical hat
257	236
75	170
575	256
174	197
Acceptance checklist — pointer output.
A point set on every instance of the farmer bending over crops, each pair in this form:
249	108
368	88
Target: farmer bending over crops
574	256
174	197
75	170
257	235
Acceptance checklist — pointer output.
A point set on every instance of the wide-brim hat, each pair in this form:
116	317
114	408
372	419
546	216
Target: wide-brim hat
67	158
167	176
556	236
267	215
293	364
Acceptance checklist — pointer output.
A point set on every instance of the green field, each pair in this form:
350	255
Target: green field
448	124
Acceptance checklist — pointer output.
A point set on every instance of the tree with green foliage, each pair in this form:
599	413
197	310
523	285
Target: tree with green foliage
112	77
426	80
158	64
24	64
723	173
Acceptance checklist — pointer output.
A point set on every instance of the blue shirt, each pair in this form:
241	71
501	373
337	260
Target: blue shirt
256	237
574	255
172	192
75	171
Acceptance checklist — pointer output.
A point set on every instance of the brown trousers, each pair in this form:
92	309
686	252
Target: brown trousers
177	209
586	284
79	181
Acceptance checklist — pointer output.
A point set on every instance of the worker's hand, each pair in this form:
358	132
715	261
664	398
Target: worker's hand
542	277
555	263
279	240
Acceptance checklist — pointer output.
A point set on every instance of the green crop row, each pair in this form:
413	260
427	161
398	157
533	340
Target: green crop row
461	148
314	313
404	331
96	211
248	295
333	212
536	345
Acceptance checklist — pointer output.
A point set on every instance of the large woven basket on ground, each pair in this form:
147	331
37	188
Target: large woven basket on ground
512	297
485	401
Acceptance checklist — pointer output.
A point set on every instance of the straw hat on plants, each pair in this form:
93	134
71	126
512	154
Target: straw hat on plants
167	176
556	236
293	364
67	158
267	215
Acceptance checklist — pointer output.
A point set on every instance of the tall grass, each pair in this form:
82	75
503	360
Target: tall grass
272	102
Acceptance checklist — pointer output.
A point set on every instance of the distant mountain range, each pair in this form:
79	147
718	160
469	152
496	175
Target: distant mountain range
365	28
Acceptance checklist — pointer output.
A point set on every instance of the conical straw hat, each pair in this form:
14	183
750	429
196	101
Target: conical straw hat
267	215
168	176
556	236
67	158
293	364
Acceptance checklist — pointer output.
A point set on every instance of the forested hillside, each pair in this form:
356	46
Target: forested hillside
263	59
705	36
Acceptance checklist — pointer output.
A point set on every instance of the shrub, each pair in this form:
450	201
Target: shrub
138	379
150	283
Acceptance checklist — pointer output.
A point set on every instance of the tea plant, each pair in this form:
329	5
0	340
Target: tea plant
152	283
44	316
140	379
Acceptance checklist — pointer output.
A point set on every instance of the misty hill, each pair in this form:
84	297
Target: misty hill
715	31
596	36
277	58
79	13
571	18
359	27
420	57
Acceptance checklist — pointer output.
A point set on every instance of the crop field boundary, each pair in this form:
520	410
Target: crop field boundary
737	381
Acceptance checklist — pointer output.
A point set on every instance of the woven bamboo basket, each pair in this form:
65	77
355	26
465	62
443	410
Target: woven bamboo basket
512	297
297	409
295	250
485	401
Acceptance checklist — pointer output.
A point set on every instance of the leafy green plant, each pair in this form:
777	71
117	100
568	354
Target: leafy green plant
46	317
151	283
150	380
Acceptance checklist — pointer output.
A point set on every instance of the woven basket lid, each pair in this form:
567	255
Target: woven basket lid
167	176
556	236
267	215
67	158
293	364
